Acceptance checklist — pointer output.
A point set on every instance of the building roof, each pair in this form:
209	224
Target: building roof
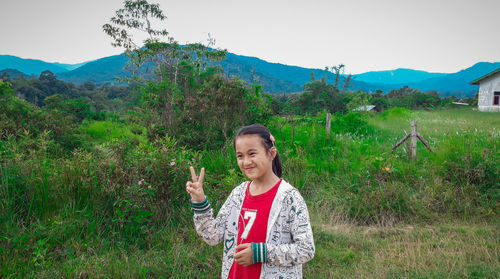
477	81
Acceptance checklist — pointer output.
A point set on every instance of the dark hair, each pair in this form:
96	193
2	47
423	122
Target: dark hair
265	135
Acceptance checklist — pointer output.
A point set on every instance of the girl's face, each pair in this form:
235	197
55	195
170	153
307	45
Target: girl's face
253	159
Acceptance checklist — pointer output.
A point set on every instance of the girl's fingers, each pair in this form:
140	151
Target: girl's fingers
202	175
193	175
237	257
197	184
190	187
243	246
241	259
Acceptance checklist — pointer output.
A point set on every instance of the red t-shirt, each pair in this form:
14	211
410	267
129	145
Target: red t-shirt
252	227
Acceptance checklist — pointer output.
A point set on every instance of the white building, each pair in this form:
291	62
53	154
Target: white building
489	91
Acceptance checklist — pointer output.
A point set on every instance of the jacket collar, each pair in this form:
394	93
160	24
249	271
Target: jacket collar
283	189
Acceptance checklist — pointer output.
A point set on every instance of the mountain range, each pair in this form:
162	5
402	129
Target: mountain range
274	77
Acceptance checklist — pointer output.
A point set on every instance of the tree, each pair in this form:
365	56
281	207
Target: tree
180	81
347	82
378	94
338	70
318	96
135	15
88	85
158	51
380	103
48	78
413	98
358	100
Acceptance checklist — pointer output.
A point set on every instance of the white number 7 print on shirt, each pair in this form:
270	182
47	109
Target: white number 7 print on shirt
250	215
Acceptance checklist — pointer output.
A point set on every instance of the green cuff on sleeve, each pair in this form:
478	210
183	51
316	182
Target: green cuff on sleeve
200	207
259	252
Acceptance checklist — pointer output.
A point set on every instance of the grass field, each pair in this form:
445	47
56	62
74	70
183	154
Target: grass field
439	250
443	250
375	213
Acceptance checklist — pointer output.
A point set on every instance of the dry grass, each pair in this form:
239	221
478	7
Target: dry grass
451	250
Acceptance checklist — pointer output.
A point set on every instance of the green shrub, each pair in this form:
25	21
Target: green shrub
352	123
203	110
396	112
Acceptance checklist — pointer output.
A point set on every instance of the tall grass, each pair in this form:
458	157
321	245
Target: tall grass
362	180
117	207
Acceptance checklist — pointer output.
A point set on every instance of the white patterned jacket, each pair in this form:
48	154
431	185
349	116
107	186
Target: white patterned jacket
289	238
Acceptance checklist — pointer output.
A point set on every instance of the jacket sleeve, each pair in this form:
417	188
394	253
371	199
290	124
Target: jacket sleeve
209	228
300	248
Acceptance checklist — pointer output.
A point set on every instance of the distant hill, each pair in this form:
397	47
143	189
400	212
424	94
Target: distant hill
12	73
28	66
457	84
396	76
274	77
280	78
100	71
70	67
454	84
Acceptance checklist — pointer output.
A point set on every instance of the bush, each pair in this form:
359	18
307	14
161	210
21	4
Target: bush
204	112
318	96
127	187
352	123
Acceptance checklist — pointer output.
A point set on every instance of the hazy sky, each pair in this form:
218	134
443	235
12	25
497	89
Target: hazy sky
365	35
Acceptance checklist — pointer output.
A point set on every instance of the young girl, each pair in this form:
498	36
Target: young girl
264	222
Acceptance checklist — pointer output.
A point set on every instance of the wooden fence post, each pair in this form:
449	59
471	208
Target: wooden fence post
413	135
328	123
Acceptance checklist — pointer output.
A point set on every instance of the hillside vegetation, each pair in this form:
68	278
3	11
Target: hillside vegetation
273	77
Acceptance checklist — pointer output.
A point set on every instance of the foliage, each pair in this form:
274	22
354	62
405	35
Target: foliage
353	123
102	98
358	100
203	112
396	112
413	99
58	122
187	96
125	185
354	173
121	192
17	115
469	166
134	15
318	96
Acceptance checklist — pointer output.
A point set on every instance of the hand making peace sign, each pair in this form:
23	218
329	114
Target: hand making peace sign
195	187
